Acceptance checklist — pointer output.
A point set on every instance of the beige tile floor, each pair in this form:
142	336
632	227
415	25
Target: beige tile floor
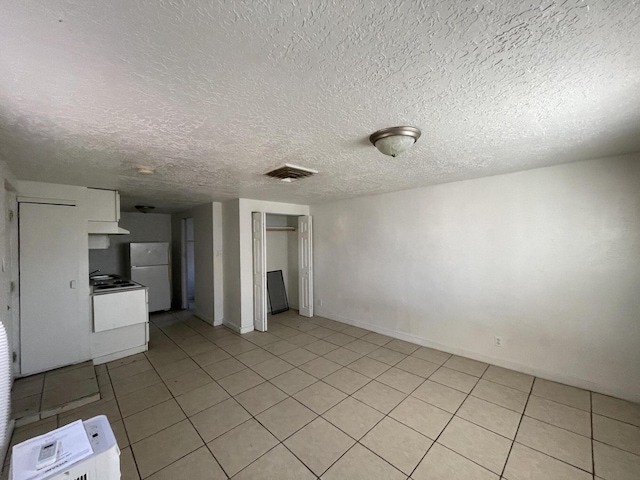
314	398
47	394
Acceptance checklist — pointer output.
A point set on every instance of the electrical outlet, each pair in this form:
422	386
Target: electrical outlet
497	341
320	302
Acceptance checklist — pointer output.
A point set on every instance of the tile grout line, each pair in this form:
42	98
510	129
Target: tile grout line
545	453
515	435
442	431
593	458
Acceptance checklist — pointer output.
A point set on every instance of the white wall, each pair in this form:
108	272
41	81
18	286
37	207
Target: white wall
549	259
144	227
207	222
278	256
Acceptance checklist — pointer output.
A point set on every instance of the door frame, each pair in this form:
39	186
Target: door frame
259	249
308	284
12	249
184	262
184	301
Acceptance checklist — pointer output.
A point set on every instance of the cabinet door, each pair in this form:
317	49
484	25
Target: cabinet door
49	313
119	309
103	205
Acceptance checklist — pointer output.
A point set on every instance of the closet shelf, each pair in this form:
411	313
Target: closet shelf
281	229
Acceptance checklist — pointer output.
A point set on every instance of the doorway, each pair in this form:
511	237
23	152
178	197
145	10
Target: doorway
282	254
188	265
282	242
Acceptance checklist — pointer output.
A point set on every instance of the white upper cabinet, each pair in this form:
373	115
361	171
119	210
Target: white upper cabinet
103	205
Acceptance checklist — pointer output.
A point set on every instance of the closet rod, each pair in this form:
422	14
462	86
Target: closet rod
281	229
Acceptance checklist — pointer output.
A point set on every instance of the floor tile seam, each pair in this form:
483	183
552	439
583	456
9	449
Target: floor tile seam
412	391
154	433
563	404
466	458
335	461
390	365
466	373
293	453
296	431
438	437
358	442
408	371
551	456
297	391
593	457
173	397
593	440
506	460
489	430
449	386
370	379
254	461
508	386
494	403
168	465
438	364
615	419
204	443
563	428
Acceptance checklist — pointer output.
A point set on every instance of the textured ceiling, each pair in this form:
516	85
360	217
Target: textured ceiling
212	94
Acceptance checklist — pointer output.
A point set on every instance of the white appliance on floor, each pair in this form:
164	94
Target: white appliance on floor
150	266
102	464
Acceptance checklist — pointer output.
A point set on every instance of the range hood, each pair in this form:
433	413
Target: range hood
106	228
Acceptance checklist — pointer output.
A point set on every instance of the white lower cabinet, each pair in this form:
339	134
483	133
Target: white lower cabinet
120	324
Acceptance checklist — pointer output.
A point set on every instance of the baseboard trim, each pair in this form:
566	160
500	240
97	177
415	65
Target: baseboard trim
538	372
117	355
237	328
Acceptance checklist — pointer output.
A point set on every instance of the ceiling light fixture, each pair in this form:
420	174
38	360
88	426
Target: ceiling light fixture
145	171
145	208
395	140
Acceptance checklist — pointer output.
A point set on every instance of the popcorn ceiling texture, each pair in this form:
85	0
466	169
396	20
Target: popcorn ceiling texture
214	94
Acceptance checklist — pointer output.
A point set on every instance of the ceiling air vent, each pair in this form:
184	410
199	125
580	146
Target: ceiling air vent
289	173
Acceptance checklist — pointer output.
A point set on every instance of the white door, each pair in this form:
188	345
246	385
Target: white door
259	271
305	265
49	257
156	278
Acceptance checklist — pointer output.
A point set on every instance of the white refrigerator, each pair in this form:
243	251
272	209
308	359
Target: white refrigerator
150	267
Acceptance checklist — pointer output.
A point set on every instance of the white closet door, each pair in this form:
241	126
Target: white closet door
305	265
49	256
259	271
